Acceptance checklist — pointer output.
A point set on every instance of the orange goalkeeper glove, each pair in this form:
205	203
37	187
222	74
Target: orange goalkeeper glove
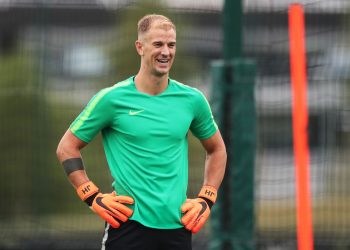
108	206
197	211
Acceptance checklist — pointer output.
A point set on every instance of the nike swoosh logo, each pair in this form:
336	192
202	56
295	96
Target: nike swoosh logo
135	112
204	207
101	204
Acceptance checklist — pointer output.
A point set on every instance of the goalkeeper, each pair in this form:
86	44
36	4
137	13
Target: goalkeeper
144	121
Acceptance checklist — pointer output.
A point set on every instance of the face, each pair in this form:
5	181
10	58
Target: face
157	48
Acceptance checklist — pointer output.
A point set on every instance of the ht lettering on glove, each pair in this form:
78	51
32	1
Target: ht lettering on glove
196	211
109	207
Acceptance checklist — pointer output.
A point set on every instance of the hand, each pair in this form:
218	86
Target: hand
196	213
111	208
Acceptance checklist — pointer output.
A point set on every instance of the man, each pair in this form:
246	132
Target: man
145	122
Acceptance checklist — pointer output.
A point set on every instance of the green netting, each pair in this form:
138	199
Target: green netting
266	40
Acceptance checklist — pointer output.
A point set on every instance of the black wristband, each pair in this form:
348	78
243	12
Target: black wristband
72	164
209	202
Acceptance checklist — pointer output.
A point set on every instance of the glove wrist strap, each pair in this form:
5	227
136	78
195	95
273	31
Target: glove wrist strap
87	192
209	194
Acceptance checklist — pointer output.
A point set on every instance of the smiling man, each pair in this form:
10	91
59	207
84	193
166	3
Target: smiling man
144	121
156	48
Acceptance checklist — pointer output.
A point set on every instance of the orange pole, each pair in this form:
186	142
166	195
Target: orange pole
300	126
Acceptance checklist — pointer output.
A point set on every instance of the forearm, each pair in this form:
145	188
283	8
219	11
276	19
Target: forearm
77	178
215	168
68	153
196	211
75	170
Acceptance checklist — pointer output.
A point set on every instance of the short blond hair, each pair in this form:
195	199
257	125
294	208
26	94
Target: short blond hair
144	24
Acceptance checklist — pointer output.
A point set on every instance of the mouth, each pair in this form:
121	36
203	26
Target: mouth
163	61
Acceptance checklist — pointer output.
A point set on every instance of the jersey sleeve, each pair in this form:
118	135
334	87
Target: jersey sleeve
95	116
203	125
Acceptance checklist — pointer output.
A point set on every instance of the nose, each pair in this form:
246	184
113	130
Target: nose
165	51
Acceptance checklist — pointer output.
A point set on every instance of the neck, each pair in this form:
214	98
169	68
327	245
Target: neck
151	84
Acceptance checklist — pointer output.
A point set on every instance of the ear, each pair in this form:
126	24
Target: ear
139	48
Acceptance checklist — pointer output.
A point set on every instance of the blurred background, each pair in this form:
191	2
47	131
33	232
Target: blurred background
55	54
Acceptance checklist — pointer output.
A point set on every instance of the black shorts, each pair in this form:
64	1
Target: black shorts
132	235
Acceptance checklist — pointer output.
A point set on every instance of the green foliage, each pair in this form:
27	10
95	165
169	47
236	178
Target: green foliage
27	150
18	106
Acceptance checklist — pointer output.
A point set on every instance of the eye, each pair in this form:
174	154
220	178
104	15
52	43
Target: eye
157	44
171	45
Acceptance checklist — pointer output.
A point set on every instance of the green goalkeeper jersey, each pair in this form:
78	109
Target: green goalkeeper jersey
145	142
